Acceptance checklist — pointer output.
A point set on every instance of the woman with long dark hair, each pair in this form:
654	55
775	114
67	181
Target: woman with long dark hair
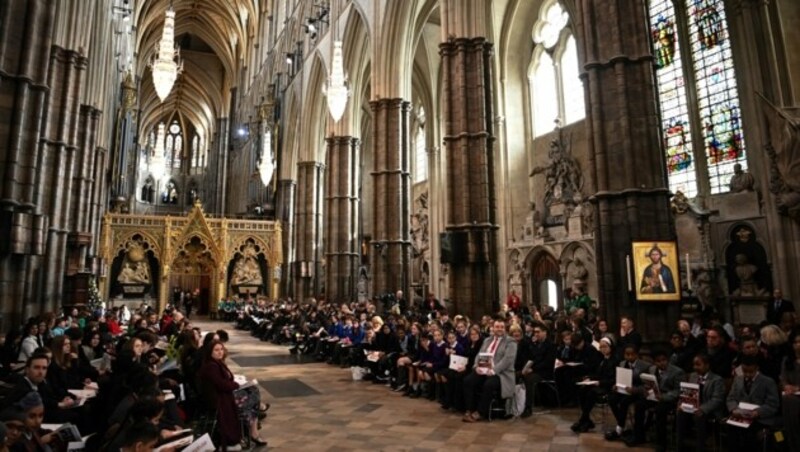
231	402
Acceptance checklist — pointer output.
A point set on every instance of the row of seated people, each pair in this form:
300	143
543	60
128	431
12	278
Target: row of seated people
411	354
89	376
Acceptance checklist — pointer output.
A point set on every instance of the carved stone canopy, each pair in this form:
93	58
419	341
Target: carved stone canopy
174	240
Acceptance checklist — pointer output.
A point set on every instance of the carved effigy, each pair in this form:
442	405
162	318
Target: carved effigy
563	183
246	271
135	269
783	151
420	240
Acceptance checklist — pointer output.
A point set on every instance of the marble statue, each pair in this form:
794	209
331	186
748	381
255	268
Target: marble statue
137	273
746	272
578	274
563	177
741	180
784	156
135	269
246	271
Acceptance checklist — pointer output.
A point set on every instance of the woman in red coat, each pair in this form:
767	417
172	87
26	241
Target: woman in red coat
232	404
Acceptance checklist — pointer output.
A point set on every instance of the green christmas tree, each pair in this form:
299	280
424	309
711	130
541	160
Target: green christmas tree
94	295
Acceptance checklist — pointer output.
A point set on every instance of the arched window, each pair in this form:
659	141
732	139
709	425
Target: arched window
173	146
195	151
571	84
545	94
703	137
420	153
554	75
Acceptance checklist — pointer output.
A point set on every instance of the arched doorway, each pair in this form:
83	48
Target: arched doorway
545	282
193	271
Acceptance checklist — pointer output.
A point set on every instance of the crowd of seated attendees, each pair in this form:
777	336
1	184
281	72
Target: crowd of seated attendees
120	381
574	354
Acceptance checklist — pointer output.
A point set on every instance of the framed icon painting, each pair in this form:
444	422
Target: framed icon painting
655	271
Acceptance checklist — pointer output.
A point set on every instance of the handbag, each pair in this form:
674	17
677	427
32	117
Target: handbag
518	401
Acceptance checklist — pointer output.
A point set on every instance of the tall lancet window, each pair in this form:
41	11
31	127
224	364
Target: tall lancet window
698	94
554	80
173	146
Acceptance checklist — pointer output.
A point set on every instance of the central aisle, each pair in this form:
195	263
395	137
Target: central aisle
317	407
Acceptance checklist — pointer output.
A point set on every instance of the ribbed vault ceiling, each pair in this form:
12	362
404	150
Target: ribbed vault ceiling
202	92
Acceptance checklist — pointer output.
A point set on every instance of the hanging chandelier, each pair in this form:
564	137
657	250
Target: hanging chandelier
167	63
266	166
158	166
336	90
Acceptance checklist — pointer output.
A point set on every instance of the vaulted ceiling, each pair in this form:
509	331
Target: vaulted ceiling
214	37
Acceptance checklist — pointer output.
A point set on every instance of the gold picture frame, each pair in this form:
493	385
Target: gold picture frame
656	270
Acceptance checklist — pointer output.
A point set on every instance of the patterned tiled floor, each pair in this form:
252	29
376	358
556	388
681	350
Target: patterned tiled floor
360	416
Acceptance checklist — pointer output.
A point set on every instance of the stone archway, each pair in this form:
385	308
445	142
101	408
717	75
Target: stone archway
194	270
545	281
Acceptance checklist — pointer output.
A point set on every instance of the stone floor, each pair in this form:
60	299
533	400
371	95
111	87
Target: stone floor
317	407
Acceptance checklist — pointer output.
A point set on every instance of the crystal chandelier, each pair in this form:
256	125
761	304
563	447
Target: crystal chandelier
266	166
158	166
166	64
336	89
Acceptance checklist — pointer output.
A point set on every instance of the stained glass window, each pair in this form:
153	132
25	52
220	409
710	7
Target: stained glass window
174	145
675	124
717	94
420	153
195	152
715	114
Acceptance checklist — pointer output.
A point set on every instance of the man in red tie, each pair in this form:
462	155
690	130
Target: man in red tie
493	372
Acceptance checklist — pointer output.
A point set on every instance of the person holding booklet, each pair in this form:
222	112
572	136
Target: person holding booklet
454	376
434	360
702	400
754	404
597	382
219	386
454	353
626	392
661	385
493	371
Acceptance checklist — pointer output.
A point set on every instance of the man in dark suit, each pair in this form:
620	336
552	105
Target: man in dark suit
668	377
57	406
777	307
757	389
497	375
619	402
627	336
543	355
712	403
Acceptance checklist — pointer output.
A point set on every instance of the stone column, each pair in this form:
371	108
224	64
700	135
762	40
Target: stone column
471	206
392	193
284	212
26	29
308	229
626	152
341	219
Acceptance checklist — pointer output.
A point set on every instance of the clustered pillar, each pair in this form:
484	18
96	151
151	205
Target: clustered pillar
341	219
391	253
471	205
51	193
308	229
632	199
